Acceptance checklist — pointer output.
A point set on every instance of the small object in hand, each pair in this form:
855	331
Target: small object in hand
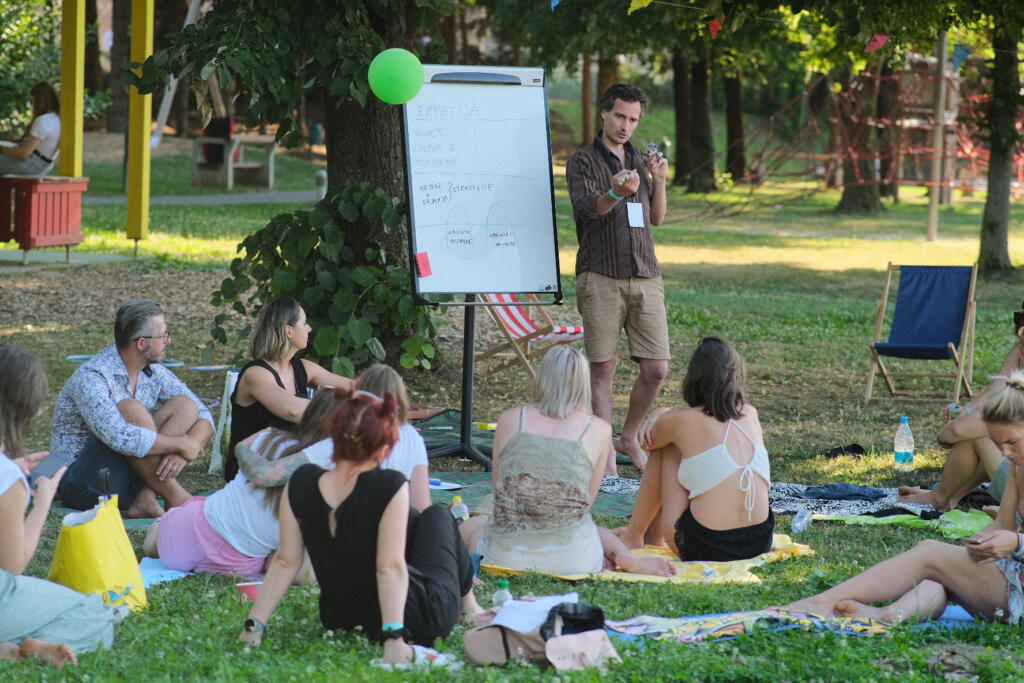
249	590
652	148
622	180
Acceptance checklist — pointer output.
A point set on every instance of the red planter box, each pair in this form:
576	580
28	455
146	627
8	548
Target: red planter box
41	212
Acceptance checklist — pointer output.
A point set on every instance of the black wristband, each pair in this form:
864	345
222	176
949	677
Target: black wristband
402	633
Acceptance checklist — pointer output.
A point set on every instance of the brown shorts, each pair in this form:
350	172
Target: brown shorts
610	304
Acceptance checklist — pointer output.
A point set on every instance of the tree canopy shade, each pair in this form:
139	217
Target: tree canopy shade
276	51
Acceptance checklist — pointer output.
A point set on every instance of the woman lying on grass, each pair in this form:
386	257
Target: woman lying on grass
37	617
382	567
235	529
708	471
547	464
985	577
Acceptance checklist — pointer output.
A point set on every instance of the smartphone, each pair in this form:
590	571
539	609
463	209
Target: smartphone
48	466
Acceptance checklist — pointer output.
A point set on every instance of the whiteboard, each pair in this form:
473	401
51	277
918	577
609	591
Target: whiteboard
480	182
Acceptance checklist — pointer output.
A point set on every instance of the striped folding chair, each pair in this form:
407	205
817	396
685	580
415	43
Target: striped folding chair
525	339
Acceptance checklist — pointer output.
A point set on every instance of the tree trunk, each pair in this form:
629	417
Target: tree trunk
446	25
860	180
117	112
994	256
888	135
180	110
607	74
735	152
587	100
702	145
95	80
681	95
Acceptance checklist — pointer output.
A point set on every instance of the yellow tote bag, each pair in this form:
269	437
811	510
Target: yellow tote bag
94	555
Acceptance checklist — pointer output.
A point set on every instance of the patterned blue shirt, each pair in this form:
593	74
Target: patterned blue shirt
87	405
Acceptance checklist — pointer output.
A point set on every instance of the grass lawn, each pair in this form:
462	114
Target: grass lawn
793	286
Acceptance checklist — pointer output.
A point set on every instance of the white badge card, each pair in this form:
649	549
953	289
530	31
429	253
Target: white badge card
636	214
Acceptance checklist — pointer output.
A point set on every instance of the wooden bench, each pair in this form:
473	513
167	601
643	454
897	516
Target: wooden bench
42	211
234	168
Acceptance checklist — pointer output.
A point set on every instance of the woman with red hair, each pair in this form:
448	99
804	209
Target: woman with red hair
382	567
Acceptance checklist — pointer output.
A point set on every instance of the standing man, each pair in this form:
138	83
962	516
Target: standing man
617	195
125	412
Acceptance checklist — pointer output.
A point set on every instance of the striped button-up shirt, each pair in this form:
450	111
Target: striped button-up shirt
607	244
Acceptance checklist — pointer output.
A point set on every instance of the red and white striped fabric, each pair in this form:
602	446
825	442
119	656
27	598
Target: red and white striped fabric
519	324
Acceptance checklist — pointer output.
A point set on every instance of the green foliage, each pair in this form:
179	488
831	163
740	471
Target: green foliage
29	53
328	260
274	50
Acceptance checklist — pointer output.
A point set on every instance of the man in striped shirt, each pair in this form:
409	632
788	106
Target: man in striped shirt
617	194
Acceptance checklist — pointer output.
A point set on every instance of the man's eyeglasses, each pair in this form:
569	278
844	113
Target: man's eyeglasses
166	336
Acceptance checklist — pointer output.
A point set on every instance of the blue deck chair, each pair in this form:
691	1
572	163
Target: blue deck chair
933	320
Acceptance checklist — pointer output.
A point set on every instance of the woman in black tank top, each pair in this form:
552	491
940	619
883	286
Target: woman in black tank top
272	390
382	567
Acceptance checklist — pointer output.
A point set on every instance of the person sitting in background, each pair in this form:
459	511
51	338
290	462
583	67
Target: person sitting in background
708	473
546	468
408	456
36	150
383	567
272	389
37	617
235	529
985	577
125	412
973	459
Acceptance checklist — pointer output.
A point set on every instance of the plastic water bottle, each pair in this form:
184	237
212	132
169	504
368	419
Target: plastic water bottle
459	510
502	595
801	521
903	446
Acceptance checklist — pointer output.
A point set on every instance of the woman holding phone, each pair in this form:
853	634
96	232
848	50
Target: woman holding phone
37	617
986	577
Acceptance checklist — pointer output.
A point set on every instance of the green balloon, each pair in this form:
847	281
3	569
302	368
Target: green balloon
396	75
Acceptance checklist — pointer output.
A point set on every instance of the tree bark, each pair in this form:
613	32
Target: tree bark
95	80
860	180
607	74
446	25
587	100
994	256
681	96
117	112
702	145
735	152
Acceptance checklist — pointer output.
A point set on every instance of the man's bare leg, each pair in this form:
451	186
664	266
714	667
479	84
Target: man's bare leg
171	415
959	470
645	390
601	375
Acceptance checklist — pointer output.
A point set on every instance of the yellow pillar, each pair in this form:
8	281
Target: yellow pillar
140	114
72	86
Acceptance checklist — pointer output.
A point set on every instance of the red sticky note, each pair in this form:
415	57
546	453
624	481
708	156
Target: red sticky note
423	264
876	42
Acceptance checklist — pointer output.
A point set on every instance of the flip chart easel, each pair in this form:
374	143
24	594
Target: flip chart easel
481	198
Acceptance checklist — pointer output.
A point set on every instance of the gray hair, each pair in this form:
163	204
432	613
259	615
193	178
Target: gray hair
563	382
134	319
1005	405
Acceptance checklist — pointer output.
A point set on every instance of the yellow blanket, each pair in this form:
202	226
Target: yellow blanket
737	571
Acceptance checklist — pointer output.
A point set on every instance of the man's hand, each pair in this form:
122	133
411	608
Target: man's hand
170	466
658	167
625	182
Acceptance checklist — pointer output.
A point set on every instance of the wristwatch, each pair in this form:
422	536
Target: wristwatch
254	626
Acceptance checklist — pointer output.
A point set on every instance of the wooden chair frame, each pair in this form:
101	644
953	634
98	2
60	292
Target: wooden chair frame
963	362
518	351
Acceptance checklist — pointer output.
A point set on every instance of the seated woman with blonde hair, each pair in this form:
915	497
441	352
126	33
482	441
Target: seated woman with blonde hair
547	465
986	577
708	473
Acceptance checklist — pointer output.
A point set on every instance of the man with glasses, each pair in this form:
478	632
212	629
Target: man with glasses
125	412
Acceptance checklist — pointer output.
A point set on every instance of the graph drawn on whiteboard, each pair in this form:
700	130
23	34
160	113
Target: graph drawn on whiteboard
480	183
